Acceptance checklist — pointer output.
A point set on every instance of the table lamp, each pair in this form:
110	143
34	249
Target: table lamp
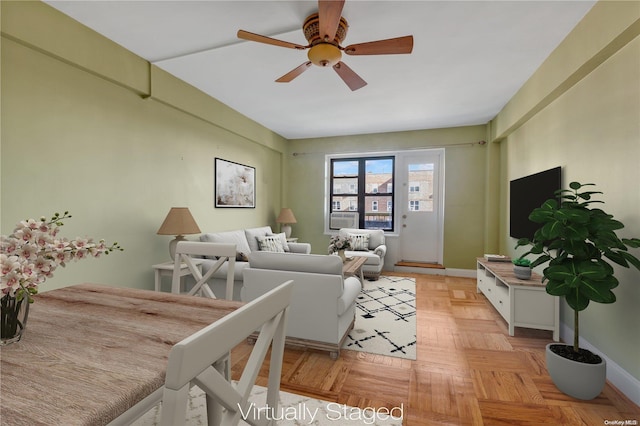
178	222
285	218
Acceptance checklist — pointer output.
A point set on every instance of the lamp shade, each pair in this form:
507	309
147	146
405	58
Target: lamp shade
286	216
179	222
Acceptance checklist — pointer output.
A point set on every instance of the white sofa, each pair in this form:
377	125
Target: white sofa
374	252
322	309
246	241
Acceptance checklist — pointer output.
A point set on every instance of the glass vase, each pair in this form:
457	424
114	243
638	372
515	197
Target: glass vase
13	319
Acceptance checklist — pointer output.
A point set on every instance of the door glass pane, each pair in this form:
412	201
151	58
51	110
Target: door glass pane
420	187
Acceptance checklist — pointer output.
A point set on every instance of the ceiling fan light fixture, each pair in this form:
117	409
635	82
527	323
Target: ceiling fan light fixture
324	54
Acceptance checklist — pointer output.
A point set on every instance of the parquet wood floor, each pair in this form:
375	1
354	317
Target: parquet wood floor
468	371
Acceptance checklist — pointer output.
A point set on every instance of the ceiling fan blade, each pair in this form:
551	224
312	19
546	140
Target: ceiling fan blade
382	47
245	35
329	12
353	80
294	73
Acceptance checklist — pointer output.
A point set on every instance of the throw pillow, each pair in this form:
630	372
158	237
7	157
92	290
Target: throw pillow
270	243
359	242
283	240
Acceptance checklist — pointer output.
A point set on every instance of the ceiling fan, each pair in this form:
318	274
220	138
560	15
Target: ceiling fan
325	32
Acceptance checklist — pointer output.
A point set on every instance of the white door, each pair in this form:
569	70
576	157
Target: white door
421	210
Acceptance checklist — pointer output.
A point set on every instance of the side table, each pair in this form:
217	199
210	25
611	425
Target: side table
353	267
166	270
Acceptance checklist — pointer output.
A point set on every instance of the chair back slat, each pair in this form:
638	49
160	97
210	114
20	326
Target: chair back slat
198	360
186	252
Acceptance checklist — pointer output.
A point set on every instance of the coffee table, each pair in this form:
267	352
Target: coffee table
353	267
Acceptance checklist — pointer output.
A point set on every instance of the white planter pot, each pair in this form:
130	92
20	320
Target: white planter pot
576	379
522	272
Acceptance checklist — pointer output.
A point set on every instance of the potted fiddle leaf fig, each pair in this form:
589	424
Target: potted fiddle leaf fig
579	242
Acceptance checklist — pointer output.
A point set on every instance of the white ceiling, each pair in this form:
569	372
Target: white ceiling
469	57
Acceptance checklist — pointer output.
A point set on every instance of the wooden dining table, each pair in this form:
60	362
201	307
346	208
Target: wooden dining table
90	352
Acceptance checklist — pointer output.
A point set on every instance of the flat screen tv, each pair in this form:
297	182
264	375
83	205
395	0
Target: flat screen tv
526	194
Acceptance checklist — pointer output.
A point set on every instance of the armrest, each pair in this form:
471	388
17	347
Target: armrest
381	250
304	248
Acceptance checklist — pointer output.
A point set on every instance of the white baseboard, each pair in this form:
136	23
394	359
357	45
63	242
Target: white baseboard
616	375
464	273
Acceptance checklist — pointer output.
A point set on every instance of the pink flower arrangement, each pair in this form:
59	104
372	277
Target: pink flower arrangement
338	243
34	250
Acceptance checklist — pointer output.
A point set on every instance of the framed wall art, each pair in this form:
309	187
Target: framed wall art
234	184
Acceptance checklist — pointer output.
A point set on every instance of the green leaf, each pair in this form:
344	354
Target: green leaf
590	270
616	257
631	242
562	273
557	288
577	215
551	230
577	233
598	293
540	260
575	185
631	259
577	301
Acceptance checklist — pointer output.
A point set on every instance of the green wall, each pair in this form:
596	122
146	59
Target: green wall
581	111
80	133
464	185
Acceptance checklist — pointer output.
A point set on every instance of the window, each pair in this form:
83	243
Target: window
414	187
363	185
414	205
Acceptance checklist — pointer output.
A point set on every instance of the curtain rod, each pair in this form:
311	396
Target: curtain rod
481	143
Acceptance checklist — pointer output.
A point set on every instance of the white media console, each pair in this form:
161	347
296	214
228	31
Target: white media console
522	303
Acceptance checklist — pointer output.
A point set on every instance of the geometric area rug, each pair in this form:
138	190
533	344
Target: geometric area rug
385	318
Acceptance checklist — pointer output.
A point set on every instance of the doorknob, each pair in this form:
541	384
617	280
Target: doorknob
404	216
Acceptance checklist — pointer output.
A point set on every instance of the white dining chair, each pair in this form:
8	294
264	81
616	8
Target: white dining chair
185	254
194	361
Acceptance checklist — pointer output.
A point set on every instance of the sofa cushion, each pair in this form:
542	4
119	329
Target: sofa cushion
251	235
359	242
314	263
270	243
230	237
372	258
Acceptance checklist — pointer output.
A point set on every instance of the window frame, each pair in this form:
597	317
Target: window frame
361	193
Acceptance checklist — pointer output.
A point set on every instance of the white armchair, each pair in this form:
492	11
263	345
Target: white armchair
374	249
322	310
